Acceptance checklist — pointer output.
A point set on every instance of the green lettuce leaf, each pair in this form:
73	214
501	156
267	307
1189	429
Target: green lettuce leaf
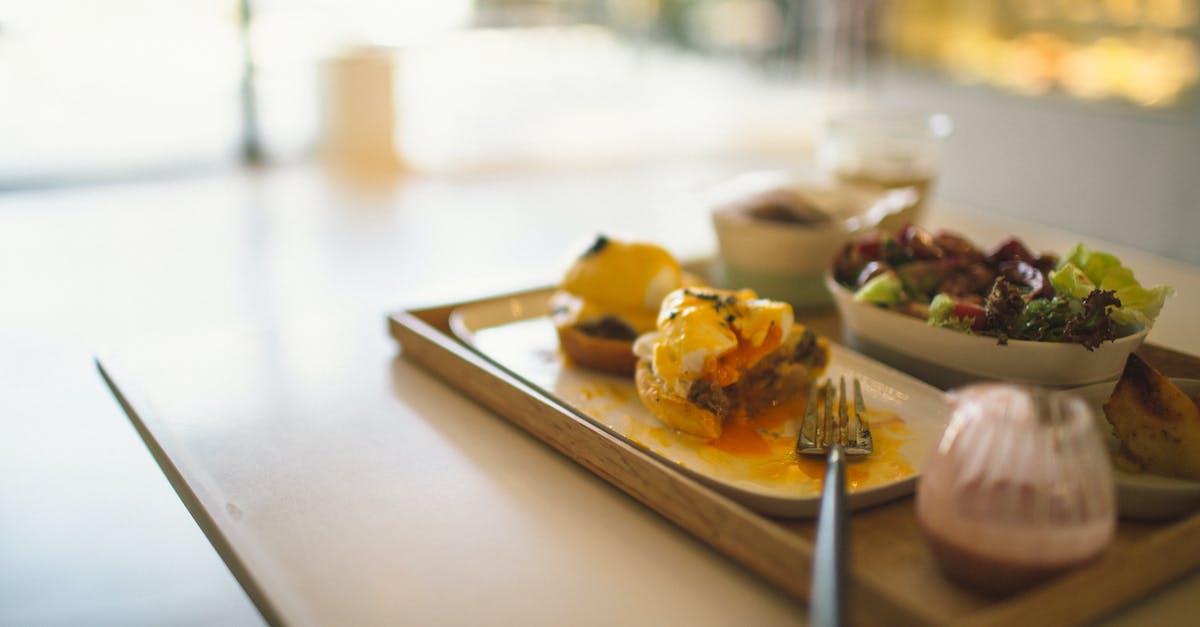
885	289
1084	270
1069	280
942	314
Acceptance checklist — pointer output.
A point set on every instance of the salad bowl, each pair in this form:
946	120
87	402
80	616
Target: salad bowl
940	307
948	358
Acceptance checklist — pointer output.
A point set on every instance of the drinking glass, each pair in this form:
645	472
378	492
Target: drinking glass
885	150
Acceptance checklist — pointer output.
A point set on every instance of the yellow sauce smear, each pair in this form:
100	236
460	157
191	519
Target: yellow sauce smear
761	450
604	395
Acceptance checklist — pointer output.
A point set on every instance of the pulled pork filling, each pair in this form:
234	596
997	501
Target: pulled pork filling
608	327
707	395
772	377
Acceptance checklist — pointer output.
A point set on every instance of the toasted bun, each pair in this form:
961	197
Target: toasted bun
1157	423
609	355
674	411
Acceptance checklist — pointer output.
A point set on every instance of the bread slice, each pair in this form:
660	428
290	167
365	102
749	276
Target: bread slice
598	353
674	411
1157	423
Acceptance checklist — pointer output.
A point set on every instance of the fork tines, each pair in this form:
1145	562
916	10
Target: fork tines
819	430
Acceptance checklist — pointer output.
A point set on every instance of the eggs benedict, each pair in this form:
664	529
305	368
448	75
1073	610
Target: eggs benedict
609	296
716	353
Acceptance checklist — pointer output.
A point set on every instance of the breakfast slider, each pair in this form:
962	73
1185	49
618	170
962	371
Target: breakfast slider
609	296
720	353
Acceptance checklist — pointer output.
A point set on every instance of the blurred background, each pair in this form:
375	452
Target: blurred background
1078	113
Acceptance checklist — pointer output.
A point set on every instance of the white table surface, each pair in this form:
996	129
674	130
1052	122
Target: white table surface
244	315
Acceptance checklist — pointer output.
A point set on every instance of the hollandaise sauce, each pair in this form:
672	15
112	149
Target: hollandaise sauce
760	450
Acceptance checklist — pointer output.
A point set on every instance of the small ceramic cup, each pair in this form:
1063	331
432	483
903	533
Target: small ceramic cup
1019	488
777	234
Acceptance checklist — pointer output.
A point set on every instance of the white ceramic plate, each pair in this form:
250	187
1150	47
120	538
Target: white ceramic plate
1144	495
948	358
515	334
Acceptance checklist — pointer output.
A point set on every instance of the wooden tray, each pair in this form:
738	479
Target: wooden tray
895	579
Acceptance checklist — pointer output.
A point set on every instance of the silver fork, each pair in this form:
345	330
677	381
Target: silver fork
821	433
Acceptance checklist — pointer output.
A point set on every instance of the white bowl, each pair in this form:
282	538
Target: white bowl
787	260
947	358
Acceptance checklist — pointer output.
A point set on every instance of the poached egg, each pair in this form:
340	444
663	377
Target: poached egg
621	279
712	334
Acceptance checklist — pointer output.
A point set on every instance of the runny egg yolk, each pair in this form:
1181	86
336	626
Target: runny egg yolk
716	335
731	365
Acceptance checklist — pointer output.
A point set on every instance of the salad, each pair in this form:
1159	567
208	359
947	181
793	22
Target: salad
1087	297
